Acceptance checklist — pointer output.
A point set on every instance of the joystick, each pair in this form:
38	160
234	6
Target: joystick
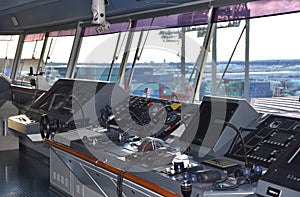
186	188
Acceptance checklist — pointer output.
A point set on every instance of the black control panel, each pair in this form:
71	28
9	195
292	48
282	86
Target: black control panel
264	145
282	177
71	104
143	110
143	116
68	97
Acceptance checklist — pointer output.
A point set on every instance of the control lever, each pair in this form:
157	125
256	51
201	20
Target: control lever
186	187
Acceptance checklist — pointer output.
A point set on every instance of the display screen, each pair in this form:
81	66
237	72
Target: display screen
55	95
213	114
56	99
280	137
263	152
265	132
287	124
253	141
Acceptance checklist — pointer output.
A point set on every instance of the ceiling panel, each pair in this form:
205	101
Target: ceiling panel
8	4
39	14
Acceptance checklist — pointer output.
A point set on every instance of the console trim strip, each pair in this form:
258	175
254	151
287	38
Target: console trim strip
127	175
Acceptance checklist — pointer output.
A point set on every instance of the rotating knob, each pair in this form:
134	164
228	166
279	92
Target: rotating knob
45	126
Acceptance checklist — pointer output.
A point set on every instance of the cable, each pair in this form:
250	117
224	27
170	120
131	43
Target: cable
135	59
33	52
216	185
254	134
48	53
139	56
219	185
114	58
238	131
7	46
52	48
117	56
228	63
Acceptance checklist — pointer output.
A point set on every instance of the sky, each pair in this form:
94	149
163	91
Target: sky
275	37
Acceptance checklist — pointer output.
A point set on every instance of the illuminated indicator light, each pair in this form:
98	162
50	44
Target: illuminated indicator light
175	106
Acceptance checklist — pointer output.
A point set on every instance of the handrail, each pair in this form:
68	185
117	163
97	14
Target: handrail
142	182
71	151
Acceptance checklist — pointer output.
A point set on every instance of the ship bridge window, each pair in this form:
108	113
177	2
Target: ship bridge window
257	59
273	60
8	46
50	63
57	54
30	58
247	57
161	62
101	54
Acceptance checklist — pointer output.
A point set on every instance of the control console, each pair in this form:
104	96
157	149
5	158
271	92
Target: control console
267	141
23	124
283	178
142	116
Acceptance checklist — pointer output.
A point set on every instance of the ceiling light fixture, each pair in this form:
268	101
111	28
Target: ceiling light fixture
14	20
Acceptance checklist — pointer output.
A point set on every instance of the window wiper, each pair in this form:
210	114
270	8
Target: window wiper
229	61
